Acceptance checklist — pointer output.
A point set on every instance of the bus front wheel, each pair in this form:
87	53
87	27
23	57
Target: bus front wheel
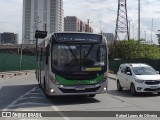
91	95
45	90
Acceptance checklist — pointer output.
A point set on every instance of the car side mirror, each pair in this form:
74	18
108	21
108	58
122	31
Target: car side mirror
129	73
157	72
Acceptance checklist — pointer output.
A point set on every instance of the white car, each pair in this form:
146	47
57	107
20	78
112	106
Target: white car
138	78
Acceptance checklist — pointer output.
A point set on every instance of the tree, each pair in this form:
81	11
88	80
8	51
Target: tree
133	50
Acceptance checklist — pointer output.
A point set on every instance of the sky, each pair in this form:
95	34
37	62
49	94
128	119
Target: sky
102	15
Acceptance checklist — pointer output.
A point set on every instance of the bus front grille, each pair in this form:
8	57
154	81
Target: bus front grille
79	91
79	77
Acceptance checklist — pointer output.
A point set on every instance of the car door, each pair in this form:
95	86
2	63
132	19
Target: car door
121	75
128	77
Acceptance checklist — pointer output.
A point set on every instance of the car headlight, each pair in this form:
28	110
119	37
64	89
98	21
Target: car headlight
139	81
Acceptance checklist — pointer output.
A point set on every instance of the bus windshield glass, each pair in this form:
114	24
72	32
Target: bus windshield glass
79	58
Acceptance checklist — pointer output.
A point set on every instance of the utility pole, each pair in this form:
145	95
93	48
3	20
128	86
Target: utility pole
129	23
151	30
88	21
133	32
145	35
139	20
100	26
45	27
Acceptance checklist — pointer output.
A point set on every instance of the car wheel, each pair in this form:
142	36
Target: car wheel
119	88
132	89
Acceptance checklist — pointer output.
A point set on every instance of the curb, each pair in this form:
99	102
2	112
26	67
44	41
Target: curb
112	78
15	73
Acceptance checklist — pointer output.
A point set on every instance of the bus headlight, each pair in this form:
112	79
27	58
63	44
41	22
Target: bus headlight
52	90
105	88
53	80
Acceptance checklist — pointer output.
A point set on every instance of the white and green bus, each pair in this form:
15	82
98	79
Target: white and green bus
73	64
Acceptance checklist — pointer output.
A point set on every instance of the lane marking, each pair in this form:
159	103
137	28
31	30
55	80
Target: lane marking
55	108
31	98
29	103
15	101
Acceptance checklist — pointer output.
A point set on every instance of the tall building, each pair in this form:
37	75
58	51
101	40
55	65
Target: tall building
41	15
73	24
8	38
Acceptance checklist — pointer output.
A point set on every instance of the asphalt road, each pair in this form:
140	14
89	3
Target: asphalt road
21	93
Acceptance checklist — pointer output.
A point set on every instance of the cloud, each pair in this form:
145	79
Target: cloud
11	16
106	12
95	10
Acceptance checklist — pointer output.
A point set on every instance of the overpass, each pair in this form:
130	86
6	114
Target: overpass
29	49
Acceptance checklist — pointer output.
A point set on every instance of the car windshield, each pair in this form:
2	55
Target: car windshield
144	71
78	58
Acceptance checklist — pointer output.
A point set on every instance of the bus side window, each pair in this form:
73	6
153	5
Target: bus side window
47	54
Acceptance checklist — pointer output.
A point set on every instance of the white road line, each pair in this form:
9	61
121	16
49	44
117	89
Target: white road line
15	101
29	103
34	93
31	98
53	107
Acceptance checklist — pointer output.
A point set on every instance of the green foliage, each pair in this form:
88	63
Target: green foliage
158	36
133	50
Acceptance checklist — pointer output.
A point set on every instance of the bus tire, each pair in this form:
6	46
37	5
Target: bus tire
91	95
39	84
45	91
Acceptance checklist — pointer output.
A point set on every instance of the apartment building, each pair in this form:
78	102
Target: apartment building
45	15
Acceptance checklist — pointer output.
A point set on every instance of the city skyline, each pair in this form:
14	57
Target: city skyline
101	14
46	15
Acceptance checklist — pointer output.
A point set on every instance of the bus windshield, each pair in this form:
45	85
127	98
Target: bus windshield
79	58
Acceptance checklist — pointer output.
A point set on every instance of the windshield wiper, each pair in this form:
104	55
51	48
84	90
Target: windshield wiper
90	49
73	54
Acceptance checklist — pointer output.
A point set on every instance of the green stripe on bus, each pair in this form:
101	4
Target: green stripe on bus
64	81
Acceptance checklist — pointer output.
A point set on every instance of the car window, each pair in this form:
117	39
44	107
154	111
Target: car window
144	71
123	69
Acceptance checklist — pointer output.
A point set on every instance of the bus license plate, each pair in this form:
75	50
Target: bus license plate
80	88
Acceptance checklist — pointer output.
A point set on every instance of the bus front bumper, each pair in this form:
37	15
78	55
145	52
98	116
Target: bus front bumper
78	89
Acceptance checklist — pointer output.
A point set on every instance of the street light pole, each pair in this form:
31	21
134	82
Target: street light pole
139	20
129	22
151	29
133	32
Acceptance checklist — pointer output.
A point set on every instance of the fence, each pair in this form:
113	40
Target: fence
11	62
114	64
